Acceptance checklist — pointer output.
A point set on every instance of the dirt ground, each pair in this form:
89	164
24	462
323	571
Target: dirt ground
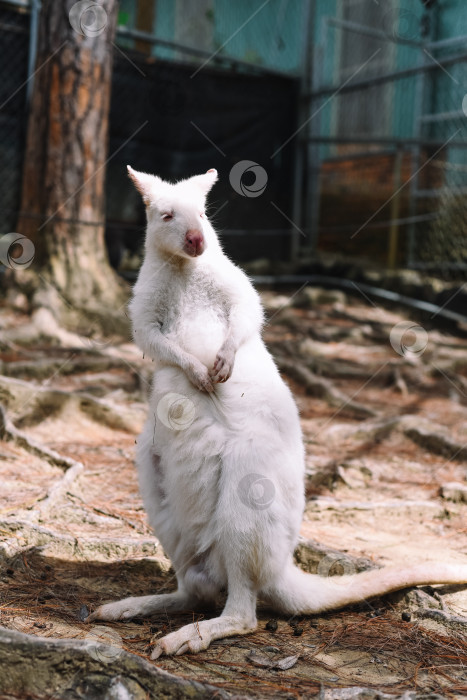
386	440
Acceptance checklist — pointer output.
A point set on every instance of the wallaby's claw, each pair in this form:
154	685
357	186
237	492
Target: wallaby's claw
223	366
199	376
206	385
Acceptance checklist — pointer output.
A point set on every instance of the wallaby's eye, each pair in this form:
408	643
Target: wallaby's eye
203	214
167	216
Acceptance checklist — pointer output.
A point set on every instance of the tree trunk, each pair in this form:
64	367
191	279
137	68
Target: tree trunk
63	197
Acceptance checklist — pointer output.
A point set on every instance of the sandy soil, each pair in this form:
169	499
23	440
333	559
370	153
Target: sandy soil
75	534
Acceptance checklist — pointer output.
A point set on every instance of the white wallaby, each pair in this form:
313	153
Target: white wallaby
221	457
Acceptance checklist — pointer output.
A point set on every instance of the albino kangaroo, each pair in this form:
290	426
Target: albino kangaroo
221	458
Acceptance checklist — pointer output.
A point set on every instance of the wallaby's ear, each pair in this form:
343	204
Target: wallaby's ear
205	181
145	184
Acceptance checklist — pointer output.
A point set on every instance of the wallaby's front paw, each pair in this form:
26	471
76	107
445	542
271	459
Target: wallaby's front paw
223	366
198	375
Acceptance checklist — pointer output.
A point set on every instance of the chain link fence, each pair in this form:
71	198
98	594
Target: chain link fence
178	65
14	50
380	153
266	34
387	142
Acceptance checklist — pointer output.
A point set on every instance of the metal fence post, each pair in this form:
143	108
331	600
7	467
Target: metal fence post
300	146
395	210
33	34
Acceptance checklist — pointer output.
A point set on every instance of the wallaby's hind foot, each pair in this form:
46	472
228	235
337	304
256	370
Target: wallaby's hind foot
142	605
197	636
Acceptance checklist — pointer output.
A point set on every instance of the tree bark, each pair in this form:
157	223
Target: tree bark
63	196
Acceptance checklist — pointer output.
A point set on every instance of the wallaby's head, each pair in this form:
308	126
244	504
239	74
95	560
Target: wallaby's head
177	223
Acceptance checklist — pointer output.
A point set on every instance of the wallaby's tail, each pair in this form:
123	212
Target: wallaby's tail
298	592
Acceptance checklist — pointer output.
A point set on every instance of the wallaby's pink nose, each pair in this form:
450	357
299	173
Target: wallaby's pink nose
194	243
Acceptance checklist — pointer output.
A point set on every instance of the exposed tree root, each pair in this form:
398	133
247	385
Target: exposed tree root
318	364
427	436
452	622
9	432
59	490
402	372
375	430
43	368
453	380
32	404
400	382
86	325
421	432
88	669
27	533
314	557
322	388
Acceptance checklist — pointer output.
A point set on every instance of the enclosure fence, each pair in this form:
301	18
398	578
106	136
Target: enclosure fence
379	148
18	61
177	66
386	144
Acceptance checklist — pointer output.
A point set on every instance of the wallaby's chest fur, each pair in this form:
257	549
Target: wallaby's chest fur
192	309
184	296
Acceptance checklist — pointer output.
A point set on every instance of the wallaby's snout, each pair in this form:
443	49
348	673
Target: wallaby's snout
194	243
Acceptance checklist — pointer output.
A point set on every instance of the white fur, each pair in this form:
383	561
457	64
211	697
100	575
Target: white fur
221	466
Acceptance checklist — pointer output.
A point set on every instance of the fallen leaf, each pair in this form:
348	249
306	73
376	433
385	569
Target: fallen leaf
280	664
287	662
